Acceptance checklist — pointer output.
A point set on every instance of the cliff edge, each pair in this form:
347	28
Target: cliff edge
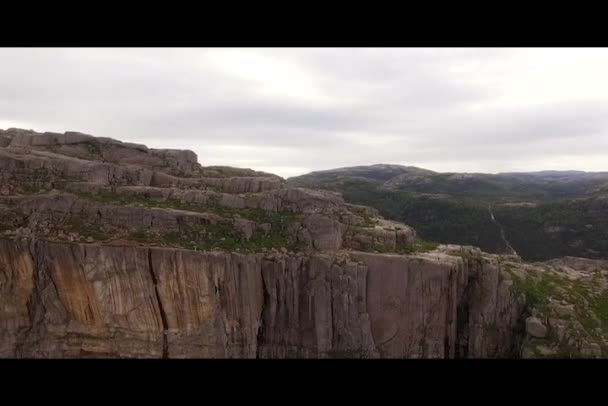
112	249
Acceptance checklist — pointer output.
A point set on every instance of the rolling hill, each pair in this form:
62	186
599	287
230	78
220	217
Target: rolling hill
540	215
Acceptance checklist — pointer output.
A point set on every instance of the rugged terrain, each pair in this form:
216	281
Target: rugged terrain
111	249
538	215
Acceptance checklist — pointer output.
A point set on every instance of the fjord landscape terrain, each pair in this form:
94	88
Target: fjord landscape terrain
538	215
111	249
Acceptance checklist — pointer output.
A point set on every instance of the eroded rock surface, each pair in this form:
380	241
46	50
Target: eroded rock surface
92	300
112	249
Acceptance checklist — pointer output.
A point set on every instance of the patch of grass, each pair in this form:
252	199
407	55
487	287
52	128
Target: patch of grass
86	230
276	219
368	220
139	235
591	309
421	245
217	236
537	292
599	306
580	295
418	246
221	235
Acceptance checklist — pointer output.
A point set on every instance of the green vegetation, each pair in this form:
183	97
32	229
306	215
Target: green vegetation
422	245
568	217
591	308
437	219
278	220
140	235
87	230
222	235
368	221
574	228
217	236
418	246
599	306
537	292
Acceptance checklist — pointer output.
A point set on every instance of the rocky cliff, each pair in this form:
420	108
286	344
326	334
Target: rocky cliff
111	249
76	300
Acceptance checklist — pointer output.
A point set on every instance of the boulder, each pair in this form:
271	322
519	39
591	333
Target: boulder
325	232
591	350
535	327
564	310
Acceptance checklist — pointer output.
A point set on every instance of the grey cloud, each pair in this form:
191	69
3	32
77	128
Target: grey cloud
388	105
525	125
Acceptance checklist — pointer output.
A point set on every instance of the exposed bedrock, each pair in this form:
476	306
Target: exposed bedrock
90	300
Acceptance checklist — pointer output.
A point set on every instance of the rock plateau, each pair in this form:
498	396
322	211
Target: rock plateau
115	250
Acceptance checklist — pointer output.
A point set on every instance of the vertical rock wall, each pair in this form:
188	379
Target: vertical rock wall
80	300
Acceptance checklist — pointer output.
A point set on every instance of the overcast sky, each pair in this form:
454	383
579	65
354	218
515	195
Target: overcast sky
290	111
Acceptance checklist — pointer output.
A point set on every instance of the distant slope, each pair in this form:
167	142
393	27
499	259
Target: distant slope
543	214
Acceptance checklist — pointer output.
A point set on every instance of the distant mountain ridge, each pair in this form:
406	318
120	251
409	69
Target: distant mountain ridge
543	214
394	174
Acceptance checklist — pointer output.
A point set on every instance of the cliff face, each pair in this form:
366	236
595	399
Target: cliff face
86	300
110	249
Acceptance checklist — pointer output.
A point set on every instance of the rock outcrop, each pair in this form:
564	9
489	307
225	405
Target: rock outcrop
110	249
91	300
